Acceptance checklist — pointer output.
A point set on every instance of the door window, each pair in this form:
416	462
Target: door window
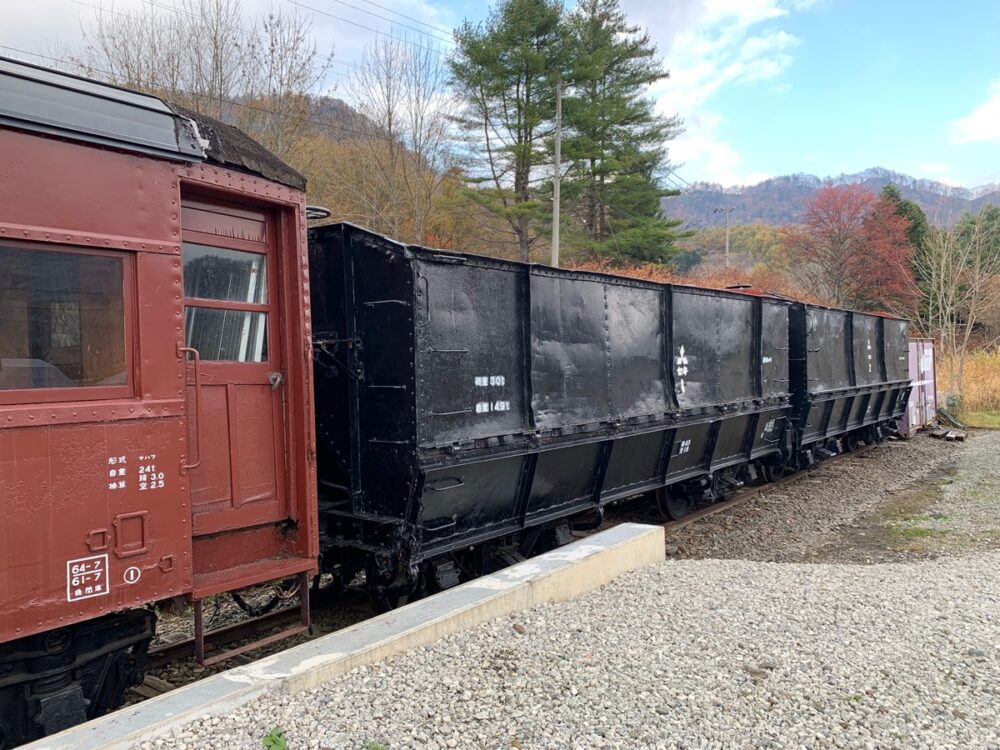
226	307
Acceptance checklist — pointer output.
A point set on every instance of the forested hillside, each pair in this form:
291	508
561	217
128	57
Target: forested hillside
780	200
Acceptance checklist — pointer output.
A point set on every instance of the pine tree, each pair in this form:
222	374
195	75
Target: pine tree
505	71
615	140
914	214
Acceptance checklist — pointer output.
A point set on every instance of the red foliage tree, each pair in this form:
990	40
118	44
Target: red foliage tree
825	246
882	275
852	250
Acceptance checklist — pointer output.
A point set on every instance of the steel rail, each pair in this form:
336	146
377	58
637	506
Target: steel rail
750	492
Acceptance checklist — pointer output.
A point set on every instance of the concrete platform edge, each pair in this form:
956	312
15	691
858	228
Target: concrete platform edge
562	574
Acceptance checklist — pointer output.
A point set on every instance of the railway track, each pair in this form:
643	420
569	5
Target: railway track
254	628
224	636
748	493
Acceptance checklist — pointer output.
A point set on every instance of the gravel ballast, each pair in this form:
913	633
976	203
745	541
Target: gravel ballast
707	653
689	653
804	521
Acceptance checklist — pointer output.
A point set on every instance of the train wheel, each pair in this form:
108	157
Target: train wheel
851	443
673	505
772	472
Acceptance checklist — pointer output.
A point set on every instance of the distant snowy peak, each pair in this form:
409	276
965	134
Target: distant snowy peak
873	174
779	200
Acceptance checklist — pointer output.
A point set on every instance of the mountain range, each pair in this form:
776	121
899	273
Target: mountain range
780	200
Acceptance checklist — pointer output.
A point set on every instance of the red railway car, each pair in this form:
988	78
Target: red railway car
156	431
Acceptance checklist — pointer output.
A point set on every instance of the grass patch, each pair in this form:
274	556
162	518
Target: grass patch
989	420
913	532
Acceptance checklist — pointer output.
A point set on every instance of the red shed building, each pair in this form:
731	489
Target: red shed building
156	431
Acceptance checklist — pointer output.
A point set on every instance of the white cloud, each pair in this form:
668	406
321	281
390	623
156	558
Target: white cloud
717	159
932	168
721	43
983	123
936	171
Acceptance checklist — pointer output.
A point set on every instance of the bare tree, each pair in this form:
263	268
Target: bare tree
401	91
208	55
960	268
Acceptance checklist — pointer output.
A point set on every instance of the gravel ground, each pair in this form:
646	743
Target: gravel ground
690	653
793	641
843	510
967	505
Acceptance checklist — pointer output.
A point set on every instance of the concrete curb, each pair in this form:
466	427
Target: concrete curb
556	576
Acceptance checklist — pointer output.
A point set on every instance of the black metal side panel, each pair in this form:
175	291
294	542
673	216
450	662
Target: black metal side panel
695	338
737	349
839	413
635	461
770	428
635	351
774	348
383	410
814	419
732	443
569	359
828	348
689	450
713	347
362	316
470	498
889	403
565	479
470	349
867	332
332	381
896	349
859	407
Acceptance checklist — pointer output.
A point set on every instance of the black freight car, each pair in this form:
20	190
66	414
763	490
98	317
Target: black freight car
849	379
469	406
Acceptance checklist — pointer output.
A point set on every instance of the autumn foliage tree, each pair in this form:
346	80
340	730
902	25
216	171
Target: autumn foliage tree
882	274
852	250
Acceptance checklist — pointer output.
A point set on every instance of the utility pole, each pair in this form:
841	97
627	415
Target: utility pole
556	177
726	210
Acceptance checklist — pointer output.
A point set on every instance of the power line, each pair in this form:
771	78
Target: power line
403	40
163	5
674	173
392	21
152	3
673	182
173	8
409	18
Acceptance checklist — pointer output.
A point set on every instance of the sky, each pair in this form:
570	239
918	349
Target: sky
763	87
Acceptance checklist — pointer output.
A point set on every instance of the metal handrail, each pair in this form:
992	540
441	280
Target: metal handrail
196	358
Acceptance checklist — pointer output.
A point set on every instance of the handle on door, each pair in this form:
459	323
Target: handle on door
196	358
276	379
